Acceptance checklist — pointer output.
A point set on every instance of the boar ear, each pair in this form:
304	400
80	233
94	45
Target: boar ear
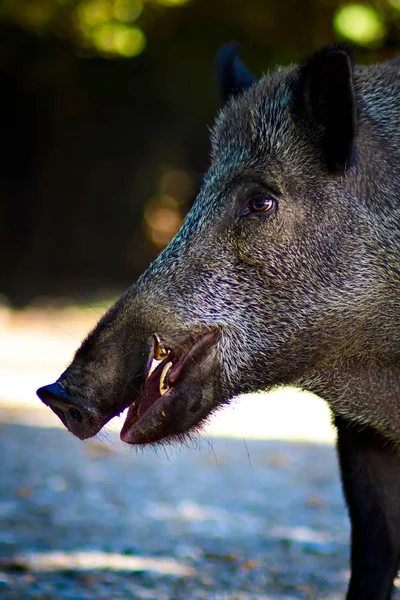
328	100
233	77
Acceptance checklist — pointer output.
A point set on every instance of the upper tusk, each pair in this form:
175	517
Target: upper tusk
160	349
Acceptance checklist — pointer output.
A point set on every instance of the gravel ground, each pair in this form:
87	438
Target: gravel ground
225	520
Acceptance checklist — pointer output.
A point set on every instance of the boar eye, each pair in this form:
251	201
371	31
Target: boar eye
259	204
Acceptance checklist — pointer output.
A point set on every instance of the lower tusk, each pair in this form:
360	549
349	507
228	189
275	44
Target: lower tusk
164	387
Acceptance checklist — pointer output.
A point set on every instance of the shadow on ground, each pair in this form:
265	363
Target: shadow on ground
227	519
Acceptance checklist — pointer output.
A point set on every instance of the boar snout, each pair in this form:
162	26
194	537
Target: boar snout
81	419
167	375
107	373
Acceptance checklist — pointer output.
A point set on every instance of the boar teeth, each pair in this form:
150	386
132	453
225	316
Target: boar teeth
164	387
160	349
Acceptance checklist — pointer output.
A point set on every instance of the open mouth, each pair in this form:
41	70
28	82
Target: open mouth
166	370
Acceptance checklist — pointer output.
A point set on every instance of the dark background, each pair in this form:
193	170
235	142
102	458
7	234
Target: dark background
104	113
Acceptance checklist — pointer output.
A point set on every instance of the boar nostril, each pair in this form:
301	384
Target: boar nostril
76	415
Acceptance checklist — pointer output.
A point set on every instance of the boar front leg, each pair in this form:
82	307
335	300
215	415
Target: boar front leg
371	481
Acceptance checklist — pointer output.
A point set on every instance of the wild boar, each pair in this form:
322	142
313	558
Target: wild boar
286	271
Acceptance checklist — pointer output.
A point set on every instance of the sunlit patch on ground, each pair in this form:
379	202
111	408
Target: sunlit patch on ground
88	560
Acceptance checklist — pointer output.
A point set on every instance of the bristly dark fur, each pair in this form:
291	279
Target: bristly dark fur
304	294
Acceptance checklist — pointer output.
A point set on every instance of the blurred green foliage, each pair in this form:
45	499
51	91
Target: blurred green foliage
106	27
109	28
104	112
117	28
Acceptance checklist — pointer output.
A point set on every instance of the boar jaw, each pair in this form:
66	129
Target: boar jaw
160	410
